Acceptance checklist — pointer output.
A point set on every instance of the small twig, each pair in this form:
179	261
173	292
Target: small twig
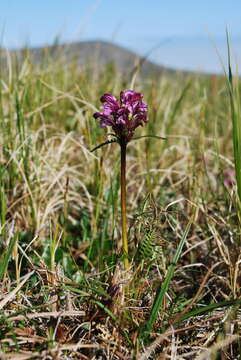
47	314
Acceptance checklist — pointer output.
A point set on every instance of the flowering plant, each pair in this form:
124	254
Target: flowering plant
123	115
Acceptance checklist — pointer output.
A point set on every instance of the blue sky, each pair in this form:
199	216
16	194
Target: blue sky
181	28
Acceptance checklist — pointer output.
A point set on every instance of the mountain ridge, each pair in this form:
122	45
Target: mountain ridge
96	53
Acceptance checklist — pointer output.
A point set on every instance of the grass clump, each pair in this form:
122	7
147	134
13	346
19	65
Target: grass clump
61	273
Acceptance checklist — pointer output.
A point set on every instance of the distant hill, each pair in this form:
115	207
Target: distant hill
96	53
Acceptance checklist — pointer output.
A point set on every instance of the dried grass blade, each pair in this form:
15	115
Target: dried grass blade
11	295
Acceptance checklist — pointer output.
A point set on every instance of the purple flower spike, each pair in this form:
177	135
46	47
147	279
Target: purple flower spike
123	115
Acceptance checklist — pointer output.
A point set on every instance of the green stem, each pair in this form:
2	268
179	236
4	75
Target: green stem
123	145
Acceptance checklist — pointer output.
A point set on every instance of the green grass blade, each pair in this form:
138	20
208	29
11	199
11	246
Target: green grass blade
160	295
230	75
234	96
103	307
204	309
6	257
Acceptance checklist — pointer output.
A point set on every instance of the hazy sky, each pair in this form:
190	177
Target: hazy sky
181	28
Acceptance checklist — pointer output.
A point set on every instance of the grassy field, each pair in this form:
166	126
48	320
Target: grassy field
64	292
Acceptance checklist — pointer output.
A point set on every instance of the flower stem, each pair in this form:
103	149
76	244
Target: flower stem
123	145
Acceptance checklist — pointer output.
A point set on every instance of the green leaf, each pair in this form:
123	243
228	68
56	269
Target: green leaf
104	143
149	136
